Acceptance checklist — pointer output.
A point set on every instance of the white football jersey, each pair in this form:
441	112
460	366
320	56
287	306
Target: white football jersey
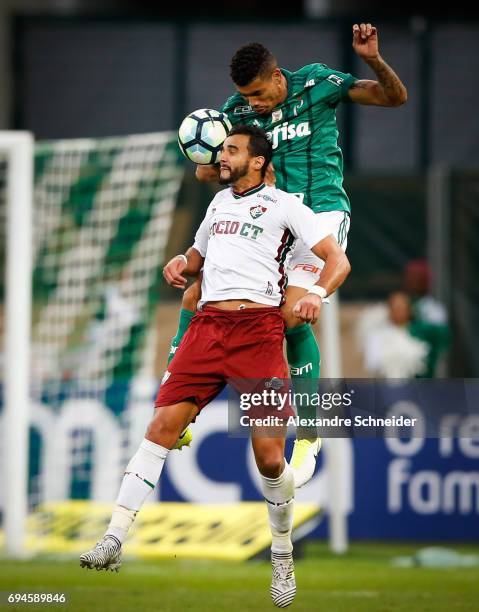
245	240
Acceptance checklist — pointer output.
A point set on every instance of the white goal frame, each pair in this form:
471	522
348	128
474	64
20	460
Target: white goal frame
19	149
332	367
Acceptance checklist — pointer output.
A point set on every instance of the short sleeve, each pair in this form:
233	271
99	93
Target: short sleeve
203	232
335	83
201	238
304	223
236	109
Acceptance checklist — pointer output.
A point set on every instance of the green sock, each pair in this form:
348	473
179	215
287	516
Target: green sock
183	322
304	361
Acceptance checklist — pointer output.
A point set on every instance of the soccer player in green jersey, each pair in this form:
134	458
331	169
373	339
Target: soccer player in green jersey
298	111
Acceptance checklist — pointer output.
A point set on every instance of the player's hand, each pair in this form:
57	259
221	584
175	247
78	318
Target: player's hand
270	177
365	41
207	174
172	272
308	308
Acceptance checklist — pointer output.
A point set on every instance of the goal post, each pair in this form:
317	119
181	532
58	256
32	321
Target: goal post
331	367
18	148
82	272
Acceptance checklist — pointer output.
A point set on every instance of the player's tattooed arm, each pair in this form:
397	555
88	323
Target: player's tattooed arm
207	174
388	90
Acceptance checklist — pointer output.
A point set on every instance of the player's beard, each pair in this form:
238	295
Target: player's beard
235	174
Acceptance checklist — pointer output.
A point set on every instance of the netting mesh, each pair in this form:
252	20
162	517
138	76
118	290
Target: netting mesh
103	211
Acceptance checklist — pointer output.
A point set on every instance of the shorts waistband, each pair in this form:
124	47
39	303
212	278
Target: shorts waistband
243	312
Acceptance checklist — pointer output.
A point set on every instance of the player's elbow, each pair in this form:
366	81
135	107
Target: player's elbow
398	99
345	266
401	98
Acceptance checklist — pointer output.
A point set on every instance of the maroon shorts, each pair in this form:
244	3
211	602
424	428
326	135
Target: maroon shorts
222	346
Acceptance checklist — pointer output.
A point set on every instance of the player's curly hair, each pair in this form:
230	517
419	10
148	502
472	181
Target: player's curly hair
258	145
250	61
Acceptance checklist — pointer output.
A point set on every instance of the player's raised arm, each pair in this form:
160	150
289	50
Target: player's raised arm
207	174
388	90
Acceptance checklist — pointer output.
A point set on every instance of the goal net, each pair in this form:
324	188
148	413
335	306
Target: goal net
102	214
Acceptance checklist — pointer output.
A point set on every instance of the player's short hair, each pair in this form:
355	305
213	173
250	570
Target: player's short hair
258	145
250	61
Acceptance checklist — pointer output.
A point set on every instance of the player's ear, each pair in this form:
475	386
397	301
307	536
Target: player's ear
276	75
259	162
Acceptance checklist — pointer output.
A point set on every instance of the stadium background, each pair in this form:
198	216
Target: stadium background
75	70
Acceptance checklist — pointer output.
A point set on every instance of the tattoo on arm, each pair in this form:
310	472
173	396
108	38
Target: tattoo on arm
389	80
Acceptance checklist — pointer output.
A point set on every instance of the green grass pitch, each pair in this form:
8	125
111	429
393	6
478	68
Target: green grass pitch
361	580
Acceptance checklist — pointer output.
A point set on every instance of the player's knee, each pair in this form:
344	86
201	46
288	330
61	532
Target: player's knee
271	465
191	297
162	430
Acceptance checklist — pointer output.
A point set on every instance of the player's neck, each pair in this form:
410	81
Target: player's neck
245	184
283	90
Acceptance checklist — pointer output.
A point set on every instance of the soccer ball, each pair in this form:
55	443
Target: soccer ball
201	135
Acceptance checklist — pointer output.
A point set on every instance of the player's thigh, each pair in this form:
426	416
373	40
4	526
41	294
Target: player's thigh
293	294
191	296
268	448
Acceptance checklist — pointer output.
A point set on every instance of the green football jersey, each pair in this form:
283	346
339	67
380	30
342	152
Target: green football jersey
304	135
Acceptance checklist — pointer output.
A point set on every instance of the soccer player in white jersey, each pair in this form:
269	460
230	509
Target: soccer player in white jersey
298	111
237	335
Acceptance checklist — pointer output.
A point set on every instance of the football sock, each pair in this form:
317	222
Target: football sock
304	361
279	497
141	475
183	322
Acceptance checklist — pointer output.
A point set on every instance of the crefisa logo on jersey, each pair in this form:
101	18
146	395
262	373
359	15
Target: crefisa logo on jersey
288	131
257	211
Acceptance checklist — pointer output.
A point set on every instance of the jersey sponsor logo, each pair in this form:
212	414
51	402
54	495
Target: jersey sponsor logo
335	80
276	115
224	227
269	289
243	110
257	211
267	198
288	131
310	83
246	230
307	268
